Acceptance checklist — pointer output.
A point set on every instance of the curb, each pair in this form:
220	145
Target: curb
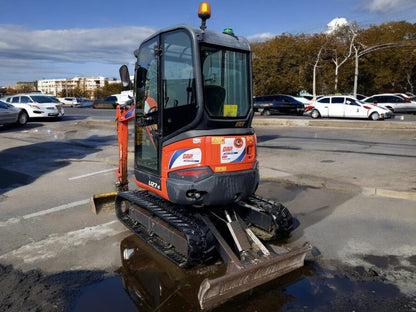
363	124
389	193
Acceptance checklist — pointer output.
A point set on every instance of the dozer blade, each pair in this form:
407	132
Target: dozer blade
103	202
216	291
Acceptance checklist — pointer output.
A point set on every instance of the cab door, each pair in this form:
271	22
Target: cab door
147	136
165	100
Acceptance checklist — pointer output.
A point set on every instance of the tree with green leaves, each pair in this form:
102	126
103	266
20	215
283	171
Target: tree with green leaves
290	63
108	89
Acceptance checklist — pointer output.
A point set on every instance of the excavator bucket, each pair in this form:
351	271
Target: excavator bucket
216	291
245	272
103	202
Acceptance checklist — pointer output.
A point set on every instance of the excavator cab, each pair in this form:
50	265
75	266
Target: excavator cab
194	142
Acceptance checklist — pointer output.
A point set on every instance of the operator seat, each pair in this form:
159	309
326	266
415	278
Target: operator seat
214	97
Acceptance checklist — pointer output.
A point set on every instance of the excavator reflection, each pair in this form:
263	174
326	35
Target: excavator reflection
154	283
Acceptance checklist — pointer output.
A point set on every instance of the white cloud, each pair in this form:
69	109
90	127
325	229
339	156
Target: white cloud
336	23
390	5
261	37
24	50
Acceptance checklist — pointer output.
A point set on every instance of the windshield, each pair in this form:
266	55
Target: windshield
54	99
43	99
226	82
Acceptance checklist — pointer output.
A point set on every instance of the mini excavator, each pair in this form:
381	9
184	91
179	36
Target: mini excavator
195	161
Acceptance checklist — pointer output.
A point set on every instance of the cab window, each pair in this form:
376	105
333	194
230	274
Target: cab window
226	82
146	81
178	83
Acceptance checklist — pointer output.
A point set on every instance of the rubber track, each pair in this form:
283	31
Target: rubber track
201	243
283	220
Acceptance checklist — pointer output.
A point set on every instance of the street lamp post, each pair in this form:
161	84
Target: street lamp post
358	54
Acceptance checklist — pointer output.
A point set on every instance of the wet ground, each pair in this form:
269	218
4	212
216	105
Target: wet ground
308	289
146	281
153	284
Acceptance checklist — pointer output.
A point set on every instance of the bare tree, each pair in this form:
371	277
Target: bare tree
321	42
344	36
315	66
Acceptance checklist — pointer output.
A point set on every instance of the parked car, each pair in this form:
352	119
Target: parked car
108	102
124	97
37	104
278	103
360	96
111	101
12	115
304	100
72	101
85	104
346	107
407	96
393	102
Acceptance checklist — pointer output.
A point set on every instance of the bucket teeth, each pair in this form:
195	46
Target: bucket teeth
216	291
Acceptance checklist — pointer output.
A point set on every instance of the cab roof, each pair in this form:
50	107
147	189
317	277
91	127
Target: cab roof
209	37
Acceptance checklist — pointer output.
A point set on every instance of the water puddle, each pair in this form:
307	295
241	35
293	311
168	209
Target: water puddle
107	295
147	281
281	192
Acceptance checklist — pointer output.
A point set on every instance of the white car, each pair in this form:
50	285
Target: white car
124	97
72	101
37	104
340	106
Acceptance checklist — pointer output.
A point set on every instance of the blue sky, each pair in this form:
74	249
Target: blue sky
61	39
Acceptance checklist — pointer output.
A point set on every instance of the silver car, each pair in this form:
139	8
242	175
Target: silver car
393	102
12	115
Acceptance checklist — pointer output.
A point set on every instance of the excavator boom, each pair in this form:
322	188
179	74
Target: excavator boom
105	201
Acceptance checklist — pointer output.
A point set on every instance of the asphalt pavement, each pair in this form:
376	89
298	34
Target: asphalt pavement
374	184
56	238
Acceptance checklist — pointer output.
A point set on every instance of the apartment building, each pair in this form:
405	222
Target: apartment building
64	86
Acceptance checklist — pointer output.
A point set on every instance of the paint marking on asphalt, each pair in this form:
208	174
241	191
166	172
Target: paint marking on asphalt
91	174
44	212
55	245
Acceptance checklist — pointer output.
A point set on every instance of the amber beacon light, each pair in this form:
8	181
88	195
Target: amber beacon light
204	13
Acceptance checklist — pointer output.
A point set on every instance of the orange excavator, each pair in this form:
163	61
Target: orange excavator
195	161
